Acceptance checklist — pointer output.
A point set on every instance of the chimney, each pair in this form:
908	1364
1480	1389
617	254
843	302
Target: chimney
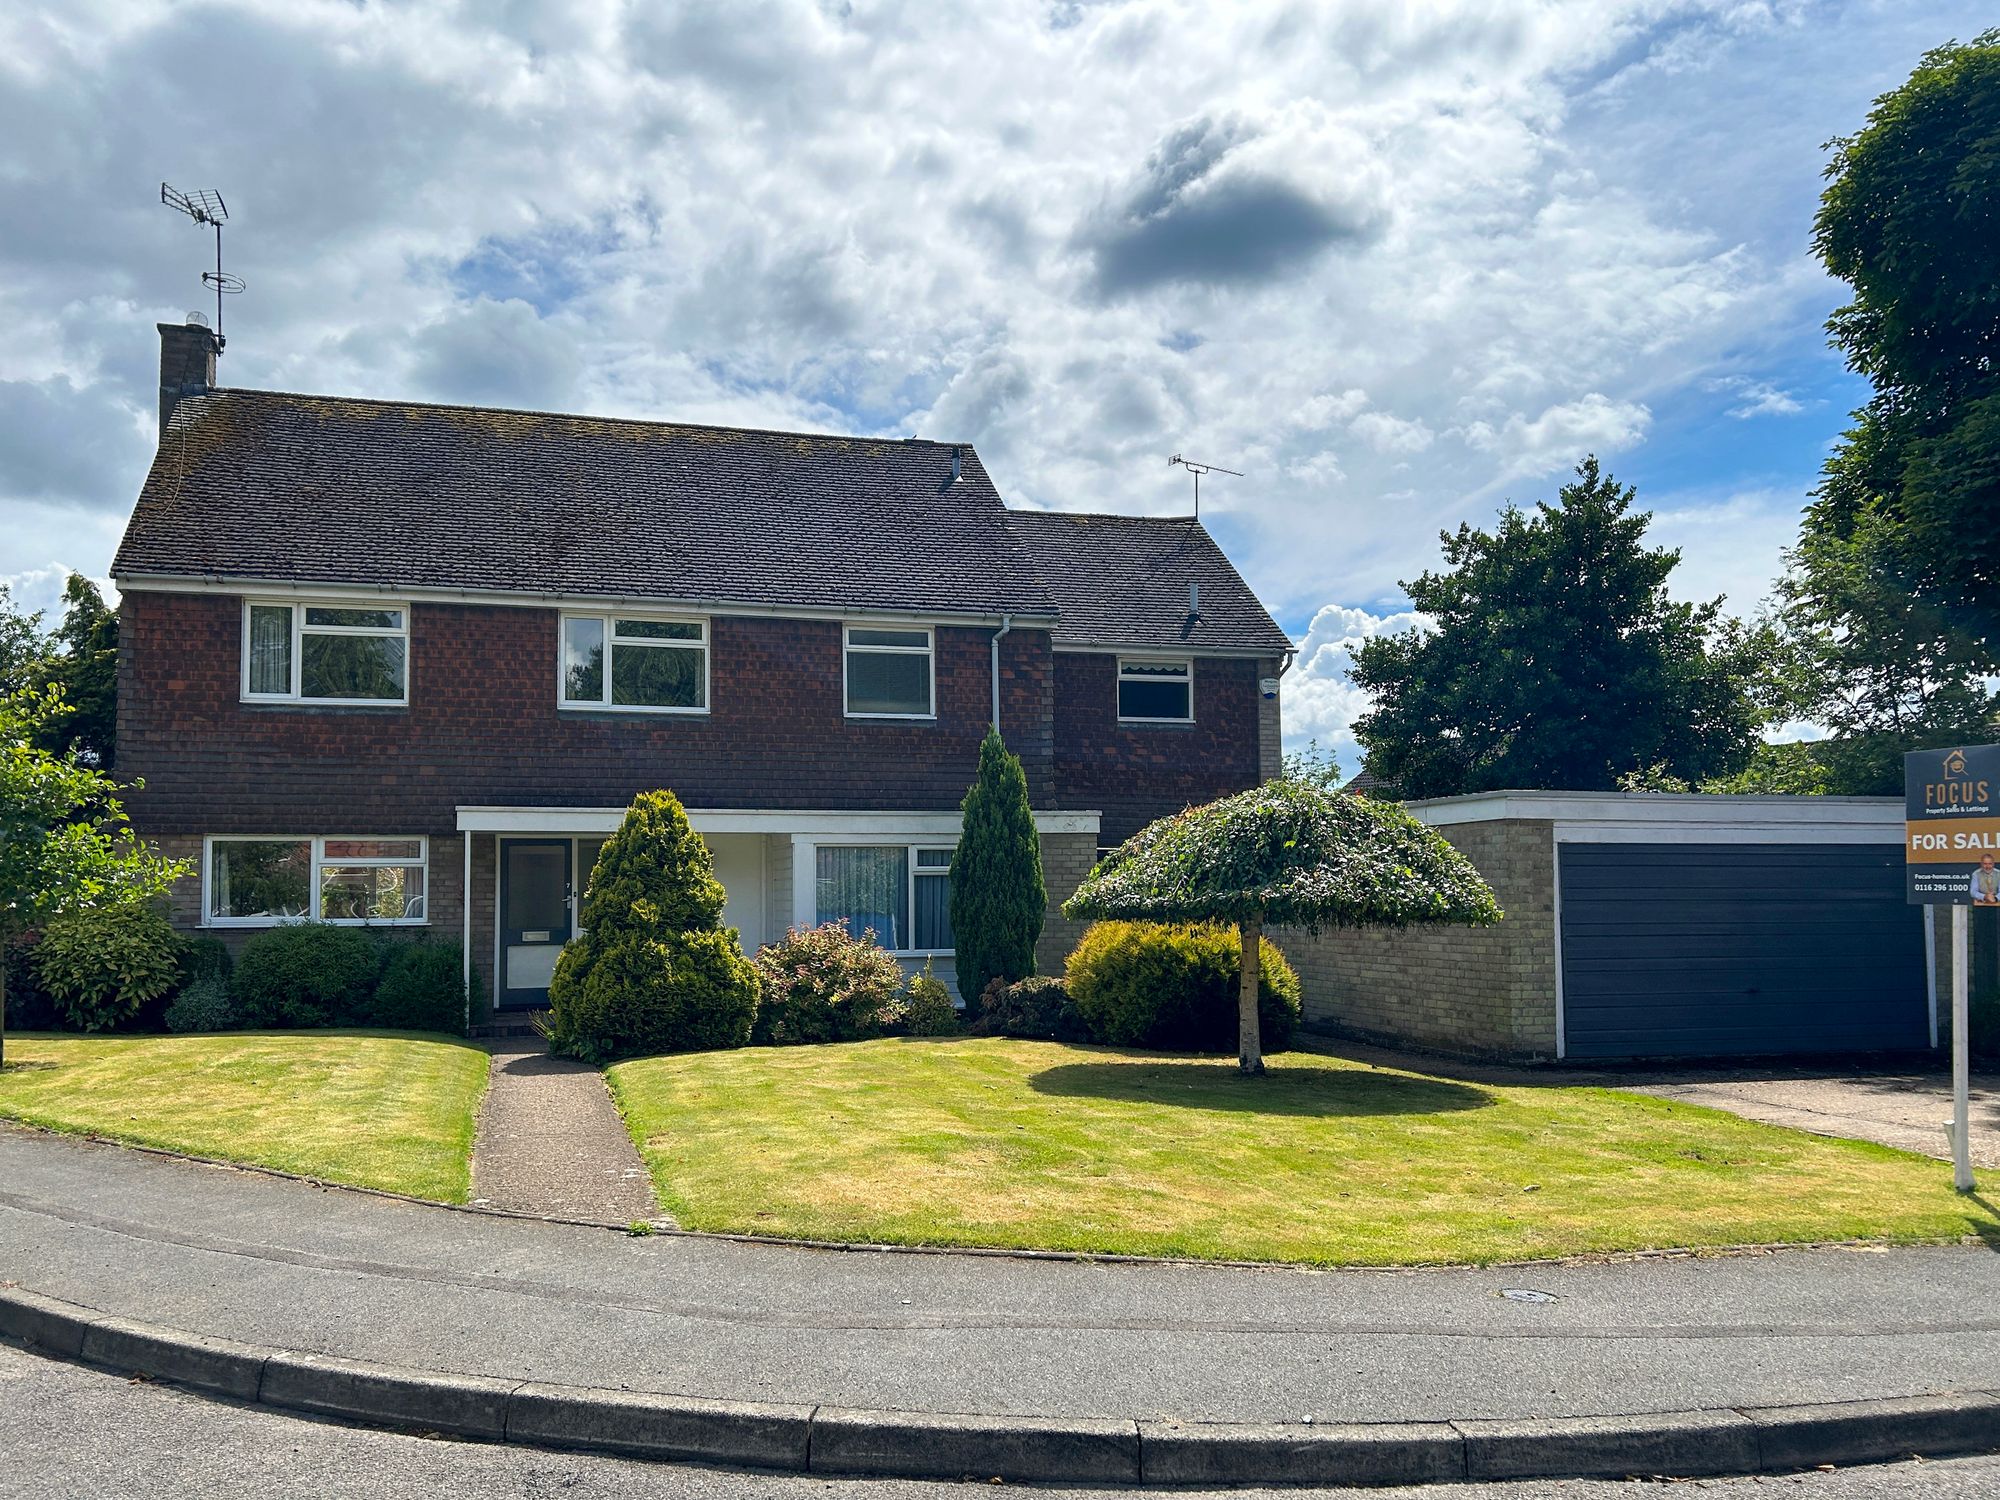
187	364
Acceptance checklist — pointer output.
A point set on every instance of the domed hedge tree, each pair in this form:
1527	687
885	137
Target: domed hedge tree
1286	854
654	969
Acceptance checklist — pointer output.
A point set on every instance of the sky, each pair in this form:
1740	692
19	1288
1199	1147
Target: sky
1398	261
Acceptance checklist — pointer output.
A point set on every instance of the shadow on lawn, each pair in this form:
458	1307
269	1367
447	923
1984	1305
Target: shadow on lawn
1306	1091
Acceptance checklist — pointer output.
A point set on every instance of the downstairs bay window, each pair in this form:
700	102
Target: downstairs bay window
260	882
900	893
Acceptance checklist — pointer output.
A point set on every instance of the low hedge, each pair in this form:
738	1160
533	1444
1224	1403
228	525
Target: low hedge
306	974
422	989
1172	987
1038	1009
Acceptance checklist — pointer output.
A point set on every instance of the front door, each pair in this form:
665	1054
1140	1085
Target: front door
534	918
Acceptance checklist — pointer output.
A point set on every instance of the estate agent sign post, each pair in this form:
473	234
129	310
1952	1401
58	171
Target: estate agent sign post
1951	857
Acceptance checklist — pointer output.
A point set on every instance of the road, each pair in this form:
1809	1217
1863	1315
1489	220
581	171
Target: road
67	1433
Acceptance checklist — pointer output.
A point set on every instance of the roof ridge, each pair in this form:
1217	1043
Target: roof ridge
578	416
1108	515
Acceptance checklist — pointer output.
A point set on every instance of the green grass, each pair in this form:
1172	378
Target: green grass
379	1109
1039	1145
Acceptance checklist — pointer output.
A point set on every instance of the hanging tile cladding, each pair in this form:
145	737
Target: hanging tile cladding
1136	773
482	727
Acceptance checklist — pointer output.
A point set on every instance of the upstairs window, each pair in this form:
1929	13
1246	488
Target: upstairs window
631	663
1155	691
888	673
325	653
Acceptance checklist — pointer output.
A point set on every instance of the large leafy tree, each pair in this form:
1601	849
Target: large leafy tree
998	898
83	662
1891	599
1910	218
1557	660
1290	852
65	843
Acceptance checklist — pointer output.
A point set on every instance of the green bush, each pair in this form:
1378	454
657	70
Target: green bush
927	1006
306	974
29	1006
206	957
1037	1009
103	965
422	989
691	993
1172	987
203	1006
822	984
654	970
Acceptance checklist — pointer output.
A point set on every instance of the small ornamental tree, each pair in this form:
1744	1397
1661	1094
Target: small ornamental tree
65	844
1290	854
654	969
998	900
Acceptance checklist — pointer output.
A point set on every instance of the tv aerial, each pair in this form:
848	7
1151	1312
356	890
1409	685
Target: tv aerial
1198	470
206	208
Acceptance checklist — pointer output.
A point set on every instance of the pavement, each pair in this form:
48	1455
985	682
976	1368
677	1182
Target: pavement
291	1266
550	1142
70	1433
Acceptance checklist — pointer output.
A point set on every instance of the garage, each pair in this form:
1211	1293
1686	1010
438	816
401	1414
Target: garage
1648	925
1711	950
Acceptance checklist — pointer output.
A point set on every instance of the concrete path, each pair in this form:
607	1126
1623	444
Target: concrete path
276	1262
550	1142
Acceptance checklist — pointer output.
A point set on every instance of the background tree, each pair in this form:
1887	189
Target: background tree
83	662
65	843
998	900
654	969
1910	219
1557	661
1286	853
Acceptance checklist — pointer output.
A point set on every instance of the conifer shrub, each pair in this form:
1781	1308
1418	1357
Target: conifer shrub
1173	986
927	1007
823	984
998	899
654	969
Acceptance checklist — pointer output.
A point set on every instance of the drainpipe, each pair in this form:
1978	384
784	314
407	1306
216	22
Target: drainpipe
1006	624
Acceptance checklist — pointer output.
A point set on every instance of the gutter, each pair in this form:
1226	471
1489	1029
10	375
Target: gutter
1006	624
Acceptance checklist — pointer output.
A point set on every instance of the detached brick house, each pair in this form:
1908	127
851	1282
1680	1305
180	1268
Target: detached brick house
406	665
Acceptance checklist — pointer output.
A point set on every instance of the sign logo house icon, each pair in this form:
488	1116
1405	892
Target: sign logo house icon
1954	763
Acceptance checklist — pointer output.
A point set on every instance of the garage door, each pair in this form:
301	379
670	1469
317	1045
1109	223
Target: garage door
1710	950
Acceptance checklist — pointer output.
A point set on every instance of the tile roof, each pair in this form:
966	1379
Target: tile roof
265	485
287	488
1123	581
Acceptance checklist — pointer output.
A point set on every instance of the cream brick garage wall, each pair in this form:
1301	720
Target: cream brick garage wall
1459	989
1066	859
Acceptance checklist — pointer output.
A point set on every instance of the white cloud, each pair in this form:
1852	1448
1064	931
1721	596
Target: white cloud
1320	701
1758	398
1388	259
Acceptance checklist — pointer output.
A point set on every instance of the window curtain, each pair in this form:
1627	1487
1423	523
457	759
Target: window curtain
934	912
270	649
864	889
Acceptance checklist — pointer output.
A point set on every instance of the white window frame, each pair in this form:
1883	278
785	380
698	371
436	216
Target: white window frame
931	872
1118	680
316	843
298	606
928	650
608	619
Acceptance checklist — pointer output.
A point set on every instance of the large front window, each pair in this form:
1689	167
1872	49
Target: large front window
325	653
901	895
641	665
888	673
260	881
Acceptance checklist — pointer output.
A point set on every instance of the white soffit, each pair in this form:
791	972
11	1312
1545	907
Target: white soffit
605	820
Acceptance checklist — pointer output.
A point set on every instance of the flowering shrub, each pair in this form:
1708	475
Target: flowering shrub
820	984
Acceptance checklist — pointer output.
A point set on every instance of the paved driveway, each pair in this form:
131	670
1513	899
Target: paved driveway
1902	1109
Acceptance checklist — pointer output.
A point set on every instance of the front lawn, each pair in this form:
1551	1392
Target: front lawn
1039	1145
378	1109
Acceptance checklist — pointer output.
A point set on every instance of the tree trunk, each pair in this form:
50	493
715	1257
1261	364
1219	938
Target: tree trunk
1249	1040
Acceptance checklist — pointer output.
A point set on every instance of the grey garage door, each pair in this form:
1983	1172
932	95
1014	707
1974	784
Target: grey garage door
1712	950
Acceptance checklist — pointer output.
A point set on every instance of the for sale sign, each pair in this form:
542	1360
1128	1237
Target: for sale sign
1952	826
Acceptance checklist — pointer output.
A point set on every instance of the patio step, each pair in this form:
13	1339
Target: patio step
512	1023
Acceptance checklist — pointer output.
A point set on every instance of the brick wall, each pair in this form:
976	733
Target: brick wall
1270	725
1138	772
1479	990
482	727
1066	859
